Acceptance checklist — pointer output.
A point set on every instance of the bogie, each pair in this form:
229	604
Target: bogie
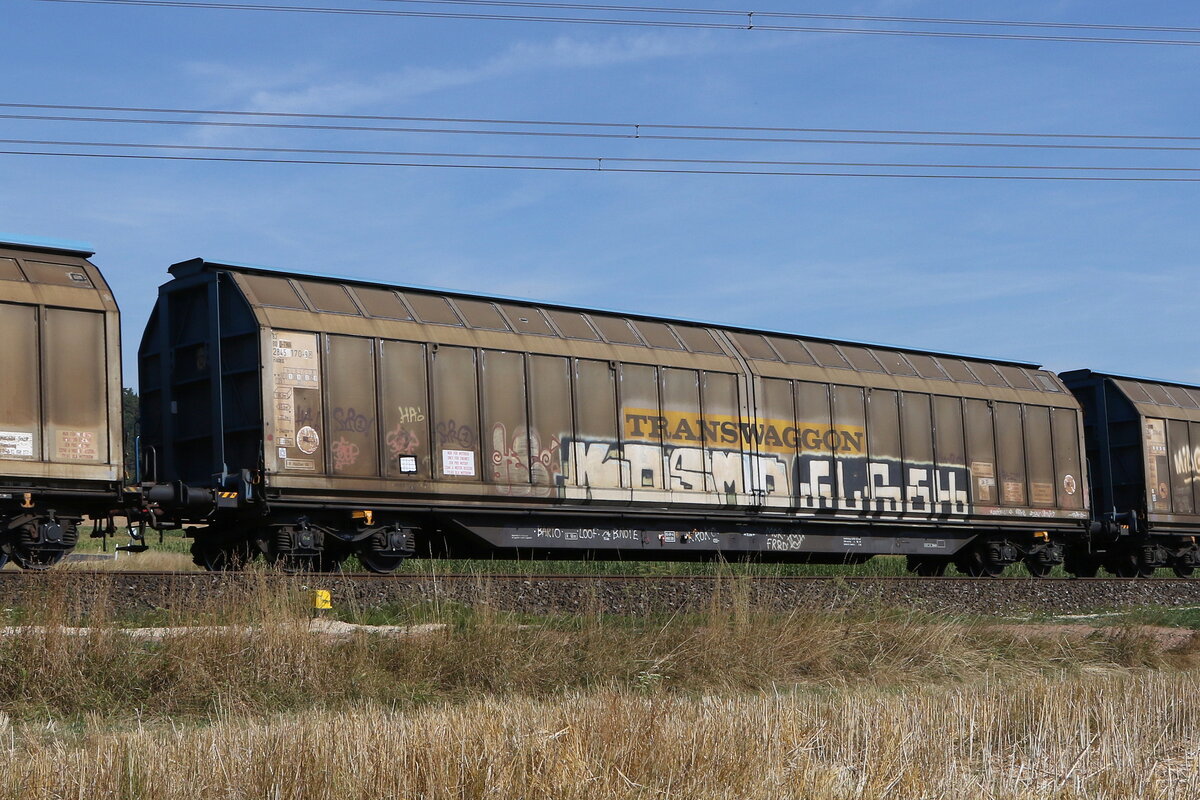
986	558
294	548
385	549
39	541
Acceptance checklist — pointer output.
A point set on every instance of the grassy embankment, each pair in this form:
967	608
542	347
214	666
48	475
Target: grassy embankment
251	701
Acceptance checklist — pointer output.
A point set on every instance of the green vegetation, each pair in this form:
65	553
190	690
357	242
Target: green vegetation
1187	618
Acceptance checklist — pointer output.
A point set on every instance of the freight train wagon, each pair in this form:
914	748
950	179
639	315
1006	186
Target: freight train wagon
60	399
308	417
1143	443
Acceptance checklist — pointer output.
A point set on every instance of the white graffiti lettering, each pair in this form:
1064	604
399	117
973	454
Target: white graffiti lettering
812	482
889	497
600	464
785	542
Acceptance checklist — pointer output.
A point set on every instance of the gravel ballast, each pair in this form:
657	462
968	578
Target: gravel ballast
120	593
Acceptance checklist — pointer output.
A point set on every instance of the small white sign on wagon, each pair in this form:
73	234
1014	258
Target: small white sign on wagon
16	444
458	462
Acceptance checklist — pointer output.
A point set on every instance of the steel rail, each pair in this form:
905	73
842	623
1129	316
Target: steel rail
560	577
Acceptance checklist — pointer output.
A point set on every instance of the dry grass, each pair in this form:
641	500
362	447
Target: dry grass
255	703
256	654
1095	736
152	560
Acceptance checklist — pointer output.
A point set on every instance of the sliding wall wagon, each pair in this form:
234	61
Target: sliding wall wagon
342	416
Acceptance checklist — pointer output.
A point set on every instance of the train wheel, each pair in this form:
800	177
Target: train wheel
1038	568
980	569
381	563
43	543
36	559
1082	566
979	563
221	556
1128	563
385	550
1184	563
926	567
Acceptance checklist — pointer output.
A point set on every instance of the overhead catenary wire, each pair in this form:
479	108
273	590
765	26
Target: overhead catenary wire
589	159
769	14
600	168
637	134
749	25
635	126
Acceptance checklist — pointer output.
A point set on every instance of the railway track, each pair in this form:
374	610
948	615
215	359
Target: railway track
141	591
605	578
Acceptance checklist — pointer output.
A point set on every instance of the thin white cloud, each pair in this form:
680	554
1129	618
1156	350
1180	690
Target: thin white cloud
308	88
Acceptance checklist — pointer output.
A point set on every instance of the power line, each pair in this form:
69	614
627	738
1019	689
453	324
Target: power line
598	168
637	135
749	25
588	159
633	126
803	15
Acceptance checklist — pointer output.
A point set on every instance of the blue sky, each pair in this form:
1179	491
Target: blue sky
1070	275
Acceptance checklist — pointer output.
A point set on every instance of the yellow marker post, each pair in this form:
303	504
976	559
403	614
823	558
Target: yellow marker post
321	601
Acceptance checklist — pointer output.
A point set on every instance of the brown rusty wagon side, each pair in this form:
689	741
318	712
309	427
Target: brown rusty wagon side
60	398
308	417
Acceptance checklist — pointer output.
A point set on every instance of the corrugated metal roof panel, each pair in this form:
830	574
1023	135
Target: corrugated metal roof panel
180	268
1138	378
769	355
1152	398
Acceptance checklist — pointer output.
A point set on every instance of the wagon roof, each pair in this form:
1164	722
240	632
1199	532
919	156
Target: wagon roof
184	268
1152	397
1138	378
82	249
